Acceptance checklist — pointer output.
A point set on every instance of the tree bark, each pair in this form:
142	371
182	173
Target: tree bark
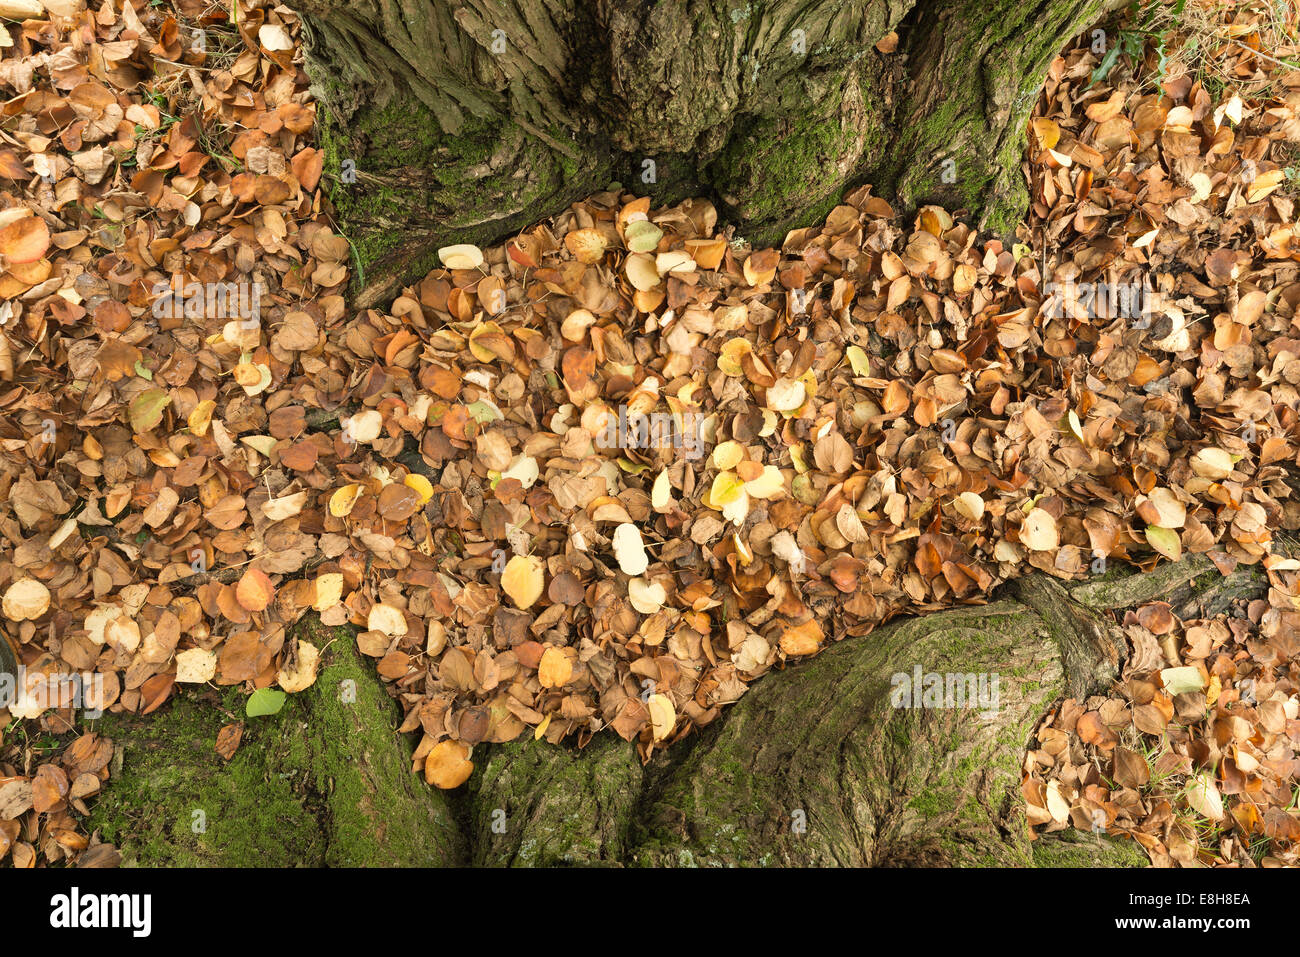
449	121
821	765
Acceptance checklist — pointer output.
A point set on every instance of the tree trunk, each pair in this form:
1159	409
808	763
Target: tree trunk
825	764
447	122
813	766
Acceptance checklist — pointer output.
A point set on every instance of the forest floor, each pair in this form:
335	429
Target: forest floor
601	478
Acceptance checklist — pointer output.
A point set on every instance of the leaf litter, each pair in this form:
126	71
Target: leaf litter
602	477
1194	753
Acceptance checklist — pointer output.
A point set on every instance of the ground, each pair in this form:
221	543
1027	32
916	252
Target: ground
499	641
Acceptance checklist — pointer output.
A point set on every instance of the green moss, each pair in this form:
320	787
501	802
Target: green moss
1071	848
536	804
801	161
714	825
379	812
932	803
167	807
326	781
993	65
946	143
407	134
486	180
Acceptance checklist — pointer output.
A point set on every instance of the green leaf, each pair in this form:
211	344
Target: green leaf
1165	541
1109	61
264	701
146	409
632	468
482	412
643	236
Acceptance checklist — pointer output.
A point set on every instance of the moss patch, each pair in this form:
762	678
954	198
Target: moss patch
800	162
488	179
172	805
1071	848
542	805
326	781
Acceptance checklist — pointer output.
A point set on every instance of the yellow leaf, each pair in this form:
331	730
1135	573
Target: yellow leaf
727	455
1047	132
660	492
423	487
1182	680
726	488
555	669
447	765
663	716
329	590
858	360
342	501
303	673
201	417
386	619
1076	427
523	580
731	354
1264	184
802	639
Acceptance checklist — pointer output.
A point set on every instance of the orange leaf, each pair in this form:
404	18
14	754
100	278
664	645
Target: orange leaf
25	240
555	669
157	690
254	591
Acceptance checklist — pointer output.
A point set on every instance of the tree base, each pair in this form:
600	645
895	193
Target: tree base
448	124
